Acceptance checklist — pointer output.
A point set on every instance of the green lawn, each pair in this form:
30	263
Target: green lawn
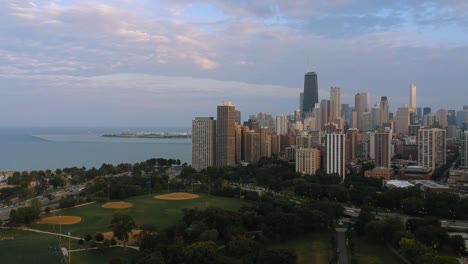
369	252
146	210
103	256
27	247
314	248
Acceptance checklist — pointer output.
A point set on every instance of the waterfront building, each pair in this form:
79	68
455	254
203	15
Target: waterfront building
225	135
203	142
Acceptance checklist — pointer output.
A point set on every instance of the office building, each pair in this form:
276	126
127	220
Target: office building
402	120
310	97
324	113
304	140
225	135
441	117
301	101
431	147
426	111
307	160
412	103
384	110
375	116
203	142
238	117
334	154
335	103
357	108
282	125
352	140
265	142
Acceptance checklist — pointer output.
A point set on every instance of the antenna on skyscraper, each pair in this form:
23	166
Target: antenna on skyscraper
308	62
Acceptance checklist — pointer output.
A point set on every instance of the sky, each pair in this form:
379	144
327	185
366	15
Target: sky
164	62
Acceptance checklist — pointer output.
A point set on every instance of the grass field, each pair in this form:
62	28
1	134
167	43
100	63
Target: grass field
103	256
368	252
27	247
314	248
145	210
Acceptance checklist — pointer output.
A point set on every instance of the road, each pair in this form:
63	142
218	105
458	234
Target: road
71	190
342	246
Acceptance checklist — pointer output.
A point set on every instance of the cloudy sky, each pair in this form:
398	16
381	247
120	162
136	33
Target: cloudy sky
162	62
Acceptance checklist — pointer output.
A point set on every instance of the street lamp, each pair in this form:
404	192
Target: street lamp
60	223
69	248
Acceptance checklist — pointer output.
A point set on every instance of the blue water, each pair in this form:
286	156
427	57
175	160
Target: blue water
51	148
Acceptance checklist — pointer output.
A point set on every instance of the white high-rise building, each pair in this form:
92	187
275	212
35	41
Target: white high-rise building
375	116
402	120
413	97
203	142
282	125
334	148
431	147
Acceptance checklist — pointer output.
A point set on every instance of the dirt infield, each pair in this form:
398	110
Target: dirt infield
117	205
177	196
64	220
132	236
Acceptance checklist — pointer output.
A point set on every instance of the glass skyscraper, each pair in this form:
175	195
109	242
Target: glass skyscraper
310	92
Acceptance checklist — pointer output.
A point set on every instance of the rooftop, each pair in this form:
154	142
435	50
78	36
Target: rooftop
399	183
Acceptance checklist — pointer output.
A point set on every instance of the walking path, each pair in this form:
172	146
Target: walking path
64	235
342	246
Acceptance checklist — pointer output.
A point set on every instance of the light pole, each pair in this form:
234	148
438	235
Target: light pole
60	223
69	248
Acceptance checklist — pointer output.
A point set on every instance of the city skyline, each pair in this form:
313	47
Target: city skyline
79	63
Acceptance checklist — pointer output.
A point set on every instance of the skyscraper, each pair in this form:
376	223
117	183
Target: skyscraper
301	101
335	103
203	142
365	102
358	110
383	148
431	147
226	135
402	120
384	110
464	150
412	103
310	92
282	125
334	148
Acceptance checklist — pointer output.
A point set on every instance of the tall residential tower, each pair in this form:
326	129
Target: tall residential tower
203	142
226	135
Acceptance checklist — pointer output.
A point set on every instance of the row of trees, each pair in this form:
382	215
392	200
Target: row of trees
420	240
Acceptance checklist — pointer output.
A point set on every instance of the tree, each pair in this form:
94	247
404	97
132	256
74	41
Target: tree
121	225
36	206
99	237
204	252
88	237
364	218
277	256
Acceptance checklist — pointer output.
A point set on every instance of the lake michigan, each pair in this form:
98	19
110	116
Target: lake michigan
25	149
